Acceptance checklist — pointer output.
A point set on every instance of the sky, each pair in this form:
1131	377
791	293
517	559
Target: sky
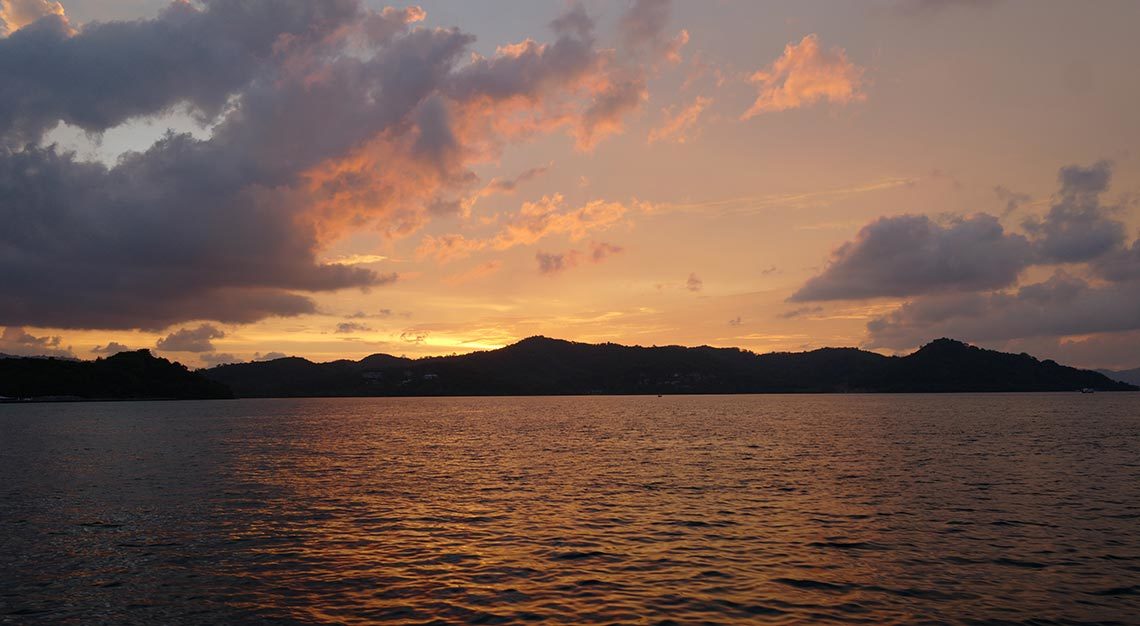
222	181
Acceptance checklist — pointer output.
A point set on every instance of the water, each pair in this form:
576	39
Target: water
1018	509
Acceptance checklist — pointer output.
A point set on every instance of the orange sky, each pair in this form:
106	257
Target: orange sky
688	176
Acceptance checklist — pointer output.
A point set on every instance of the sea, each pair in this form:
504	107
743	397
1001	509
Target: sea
783	509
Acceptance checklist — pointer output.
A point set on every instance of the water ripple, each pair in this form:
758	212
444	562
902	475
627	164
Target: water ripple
963	509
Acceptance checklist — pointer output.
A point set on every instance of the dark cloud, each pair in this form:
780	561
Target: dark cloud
351	327
800	312
328	117
1121	264
643	30
616	84
382	313
509	185
1064	305
109	72
167	235
694	283
414	336
18	342
219	358
600	250
112	347
958	277
1119	350
1078	227
1011	199
553	263
911	255
198	339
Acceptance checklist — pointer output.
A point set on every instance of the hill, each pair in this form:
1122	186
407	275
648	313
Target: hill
1131	377
127	375
544	366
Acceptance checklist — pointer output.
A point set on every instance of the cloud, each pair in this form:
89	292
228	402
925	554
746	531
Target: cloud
961	278
1063	305
112	347
18	342
478	272
326	117
1077	227
549	216
534	222
509	185
806	74
694	283
551	263
600	250
1119	350
16	14
801	311
412	335
352	327
196	55
211	359
191	339
911	254
643	27
609	84
676	127
917	8
358	259
380	313
1011	199
1121	264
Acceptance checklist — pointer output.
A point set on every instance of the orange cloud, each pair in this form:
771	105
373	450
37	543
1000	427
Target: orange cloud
16	14
806	74
676	127
553	263
445	248
480	271
534	222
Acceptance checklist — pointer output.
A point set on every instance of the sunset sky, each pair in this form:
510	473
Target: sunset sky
221	181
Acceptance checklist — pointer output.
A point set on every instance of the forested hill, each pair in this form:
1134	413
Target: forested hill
126	375
541	366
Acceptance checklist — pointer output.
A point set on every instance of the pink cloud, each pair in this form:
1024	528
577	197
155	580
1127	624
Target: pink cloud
677	126
806	74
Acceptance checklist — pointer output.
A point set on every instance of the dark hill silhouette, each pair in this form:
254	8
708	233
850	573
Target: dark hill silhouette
544	366
126	375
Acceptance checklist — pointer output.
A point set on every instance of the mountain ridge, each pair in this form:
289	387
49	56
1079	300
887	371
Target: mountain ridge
541	365
545	366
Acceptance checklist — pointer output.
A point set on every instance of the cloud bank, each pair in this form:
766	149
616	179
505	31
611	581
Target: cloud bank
962	279
327	117
911	254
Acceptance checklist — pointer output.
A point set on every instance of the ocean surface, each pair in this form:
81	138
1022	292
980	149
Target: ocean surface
869	509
